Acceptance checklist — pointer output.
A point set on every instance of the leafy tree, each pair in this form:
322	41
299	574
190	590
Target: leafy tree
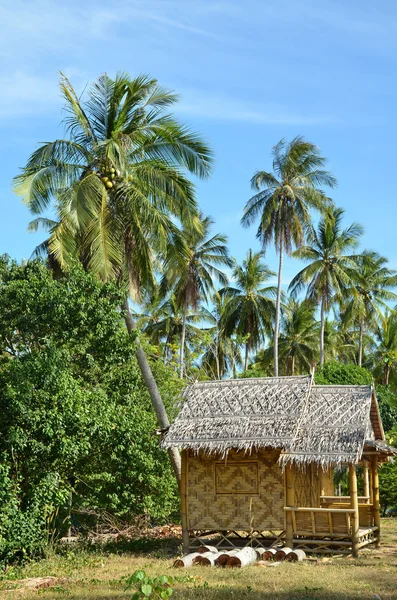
330	270
117	182
368	296
336	373
249	307
387	401
284	202
76	415
388	486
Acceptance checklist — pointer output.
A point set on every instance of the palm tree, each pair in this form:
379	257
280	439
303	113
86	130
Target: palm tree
162	323
299	335
191	269
297	341
249	309
384	357
223	352
284	202
330	270
369	296
118	184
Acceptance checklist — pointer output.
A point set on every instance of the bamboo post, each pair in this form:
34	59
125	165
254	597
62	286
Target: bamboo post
375	495
366	480
371	489
184	492
290	501
354	505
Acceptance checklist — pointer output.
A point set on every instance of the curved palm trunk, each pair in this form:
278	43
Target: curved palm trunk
246	356
293	365
218	370
386	375
322	329
360	343
159	408
278	304
183	338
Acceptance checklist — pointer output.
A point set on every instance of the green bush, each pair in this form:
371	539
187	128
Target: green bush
336	373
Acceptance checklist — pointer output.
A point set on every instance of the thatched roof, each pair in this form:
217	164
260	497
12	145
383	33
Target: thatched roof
323	424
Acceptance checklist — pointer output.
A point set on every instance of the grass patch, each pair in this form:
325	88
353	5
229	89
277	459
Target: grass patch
100	574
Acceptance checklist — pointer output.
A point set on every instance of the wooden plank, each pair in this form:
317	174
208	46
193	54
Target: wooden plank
315	509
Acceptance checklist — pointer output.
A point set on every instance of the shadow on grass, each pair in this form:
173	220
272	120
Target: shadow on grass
234	593
153	547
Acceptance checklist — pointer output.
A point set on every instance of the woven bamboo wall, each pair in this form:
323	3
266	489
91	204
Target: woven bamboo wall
328	482
307	486
243	492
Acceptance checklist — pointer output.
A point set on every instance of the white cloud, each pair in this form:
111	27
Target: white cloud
218	107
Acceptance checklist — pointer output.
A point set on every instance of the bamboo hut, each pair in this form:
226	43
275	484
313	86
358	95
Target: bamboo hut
258	463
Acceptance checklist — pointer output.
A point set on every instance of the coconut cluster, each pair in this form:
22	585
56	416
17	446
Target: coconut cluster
109	176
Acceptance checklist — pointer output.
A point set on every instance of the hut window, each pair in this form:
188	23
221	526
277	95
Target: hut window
236	477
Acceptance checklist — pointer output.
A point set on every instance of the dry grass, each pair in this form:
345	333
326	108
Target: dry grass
100	575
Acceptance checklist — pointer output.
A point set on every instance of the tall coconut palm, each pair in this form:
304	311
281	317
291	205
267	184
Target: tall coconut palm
368	297
298	341
162	323
192	268
118	183
299	335
249	309
223	354
284	202
330	270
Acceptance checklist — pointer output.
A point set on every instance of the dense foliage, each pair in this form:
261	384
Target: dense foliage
76	433
336	373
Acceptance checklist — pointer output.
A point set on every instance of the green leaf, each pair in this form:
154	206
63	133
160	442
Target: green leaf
146	589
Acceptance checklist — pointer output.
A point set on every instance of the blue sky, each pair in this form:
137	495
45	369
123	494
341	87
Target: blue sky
248	73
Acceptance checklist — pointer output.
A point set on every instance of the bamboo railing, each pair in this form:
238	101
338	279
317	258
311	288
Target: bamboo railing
310	521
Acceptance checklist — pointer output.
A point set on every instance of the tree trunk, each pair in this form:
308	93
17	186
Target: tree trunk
218	370
386	375
246	357
360	343
322	329
278	304
159	408
293	365
183	337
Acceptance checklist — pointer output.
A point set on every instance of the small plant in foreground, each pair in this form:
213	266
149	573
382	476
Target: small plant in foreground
150	587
